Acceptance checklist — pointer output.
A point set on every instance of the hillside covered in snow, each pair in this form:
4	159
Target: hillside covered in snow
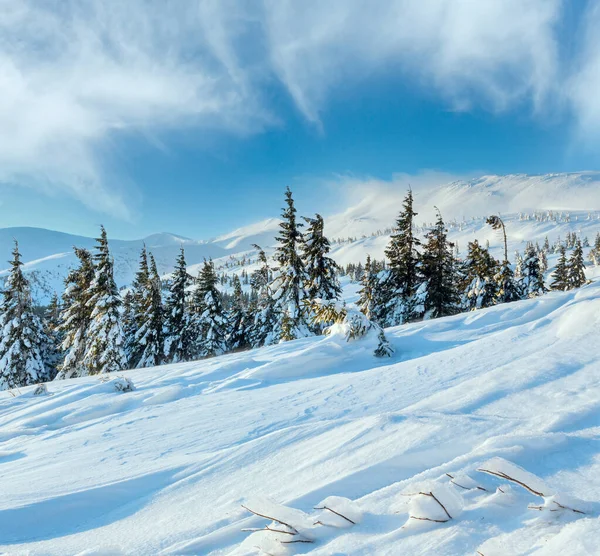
493	416
533	207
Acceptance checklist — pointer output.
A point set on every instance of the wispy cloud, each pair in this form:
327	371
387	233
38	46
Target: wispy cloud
73	75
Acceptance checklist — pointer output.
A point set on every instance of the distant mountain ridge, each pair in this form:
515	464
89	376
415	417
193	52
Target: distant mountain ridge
49	254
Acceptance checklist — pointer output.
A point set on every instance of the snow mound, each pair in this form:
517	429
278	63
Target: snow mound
292	429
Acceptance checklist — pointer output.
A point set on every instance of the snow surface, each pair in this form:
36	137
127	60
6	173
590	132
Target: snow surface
166	467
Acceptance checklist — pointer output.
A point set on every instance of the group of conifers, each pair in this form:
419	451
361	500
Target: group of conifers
96	328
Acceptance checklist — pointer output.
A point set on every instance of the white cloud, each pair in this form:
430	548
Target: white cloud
75	74
72	74
499	52
584	85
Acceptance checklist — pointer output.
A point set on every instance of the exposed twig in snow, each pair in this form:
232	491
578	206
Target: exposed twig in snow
508	478
267	528
461	486
295	531
336	513
429	519
442	505
567	508
430	494
298	540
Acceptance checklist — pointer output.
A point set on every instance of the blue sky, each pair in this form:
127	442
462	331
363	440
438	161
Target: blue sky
193	117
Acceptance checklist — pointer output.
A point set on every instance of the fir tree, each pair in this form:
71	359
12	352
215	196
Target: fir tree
179	334
287	286
532	280
129	328
322	281
366	302
262	310
507	289
403	277
479	285
595	251
238	318
52	352
149	335
210	321
23	339
560	275
140	304
576	267
105	345
441	297
76	315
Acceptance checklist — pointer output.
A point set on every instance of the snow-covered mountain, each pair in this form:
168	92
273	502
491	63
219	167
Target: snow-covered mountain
513	390
371	210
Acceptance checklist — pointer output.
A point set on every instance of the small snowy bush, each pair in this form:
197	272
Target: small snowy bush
120	383
350	323
40	390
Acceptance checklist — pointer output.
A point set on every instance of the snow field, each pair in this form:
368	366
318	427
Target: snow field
166	467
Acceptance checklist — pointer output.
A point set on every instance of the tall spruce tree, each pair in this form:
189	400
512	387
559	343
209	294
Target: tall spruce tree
129	328
209	315
76	315
403	277
52	353
149	335
180	340
367	301
560	276
237	318
105	345
22	338
441	297
262	316
289	278
322	281
140	300
576	267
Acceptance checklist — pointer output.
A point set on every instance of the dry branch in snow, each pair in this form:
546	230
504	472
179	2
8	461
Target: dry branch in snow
512	479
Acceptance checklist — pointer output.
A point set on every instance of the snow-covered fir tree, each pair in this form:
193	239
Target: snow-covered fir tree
479	285
532	277
322	281
262	316
105	342
209	315
136	309
129	325
180	340
76	315
518	266
238	324
149	334
576	267
543	260
439	270
594	255
23	338
52	353
560	276
403	277
287	287
367	293
507	289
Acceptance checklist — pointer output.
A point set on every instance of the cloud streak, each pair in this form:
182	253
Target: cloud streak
74	75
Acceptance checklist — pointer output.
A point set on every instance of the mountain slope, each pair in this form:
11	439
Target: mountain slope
464	205
164	469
